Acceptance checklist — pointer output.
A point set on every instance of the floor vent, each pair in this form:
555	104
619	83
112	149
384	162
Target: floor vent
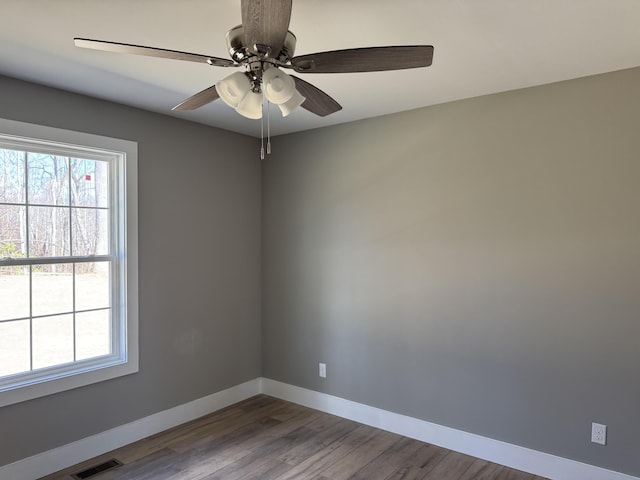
96	469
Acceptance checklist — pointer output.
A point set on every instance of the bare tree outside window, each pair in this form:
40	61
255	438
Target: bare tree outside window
68	260
57	310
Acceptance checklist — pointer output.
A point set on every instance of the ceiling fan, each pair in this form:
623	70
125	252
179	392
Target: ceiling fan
263	45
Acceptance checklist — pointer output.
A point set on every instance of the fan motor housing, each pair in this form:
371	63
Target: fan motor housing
240	52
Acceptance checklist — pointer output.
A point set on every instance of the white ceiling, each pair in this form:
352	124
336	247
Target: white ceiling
481	47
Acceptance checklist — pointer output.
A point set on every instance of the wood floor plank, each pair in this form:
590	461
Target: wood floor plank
248	441
361	455
511	474
332	432
389	461
258	419
226	452
427	457
482	470
264	438
254	462
451	467
407	472
326	420
315	465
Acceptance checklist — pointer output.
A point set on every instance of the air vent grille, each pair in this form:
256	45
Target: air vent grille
96	469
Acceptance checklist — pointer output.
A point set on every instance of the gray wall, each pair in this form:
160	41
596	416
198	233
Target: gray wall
199	269
474	264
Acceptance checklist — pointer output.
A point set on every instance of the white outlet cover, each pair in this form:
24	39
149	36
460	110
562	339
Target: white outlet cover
599	433
322	370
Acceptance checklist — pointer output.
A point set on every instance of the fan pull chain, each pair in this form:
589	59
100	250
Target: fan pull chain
262	137
268	127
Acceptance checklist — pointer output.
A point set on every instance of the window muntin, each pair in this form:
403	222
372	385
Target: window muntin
67	261
60	209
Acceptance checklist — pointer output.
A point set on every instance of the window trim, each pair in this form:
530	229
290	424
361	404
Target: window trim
92	370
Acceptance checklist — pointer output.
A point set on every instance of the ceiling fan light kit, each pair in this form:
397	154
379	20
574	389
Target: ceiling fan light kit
278	86
243	91
233	88
290	105
251	106
263	46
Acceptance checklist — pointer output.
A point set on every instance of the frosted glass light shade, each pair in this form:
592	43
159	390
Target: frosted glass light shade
294	102
278	86
251	106
234	88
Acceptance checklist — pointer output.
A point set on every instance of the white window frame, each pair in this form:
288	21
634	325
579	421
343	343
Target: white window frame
123	156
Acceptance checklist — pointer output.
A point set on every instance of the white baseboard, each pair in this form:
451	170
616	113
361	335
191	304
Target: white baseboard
521	458
62	457
525	459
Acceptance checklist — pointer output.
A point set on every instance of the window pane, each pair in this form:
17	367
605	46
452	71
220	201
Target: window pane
90	231
52	340
89	183
14	292
12	231
48	179
52	289
68	204
14	347
93	334
92	286
11	176
48	232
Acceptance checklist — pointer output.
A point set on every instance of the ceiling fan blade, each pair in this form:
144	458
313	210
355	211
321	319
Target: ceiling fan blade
207	95
265	24
316	101
151	52
371	59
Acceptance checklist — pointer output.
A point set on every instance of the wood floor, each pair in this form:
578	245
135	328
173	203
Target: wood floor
269	439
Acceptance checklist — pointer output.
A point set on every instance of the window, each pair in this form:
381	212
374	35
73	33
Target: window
68	260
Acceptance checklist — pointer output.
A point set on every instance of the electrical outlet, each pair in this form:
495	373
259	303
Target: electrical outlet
322	370
599	433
